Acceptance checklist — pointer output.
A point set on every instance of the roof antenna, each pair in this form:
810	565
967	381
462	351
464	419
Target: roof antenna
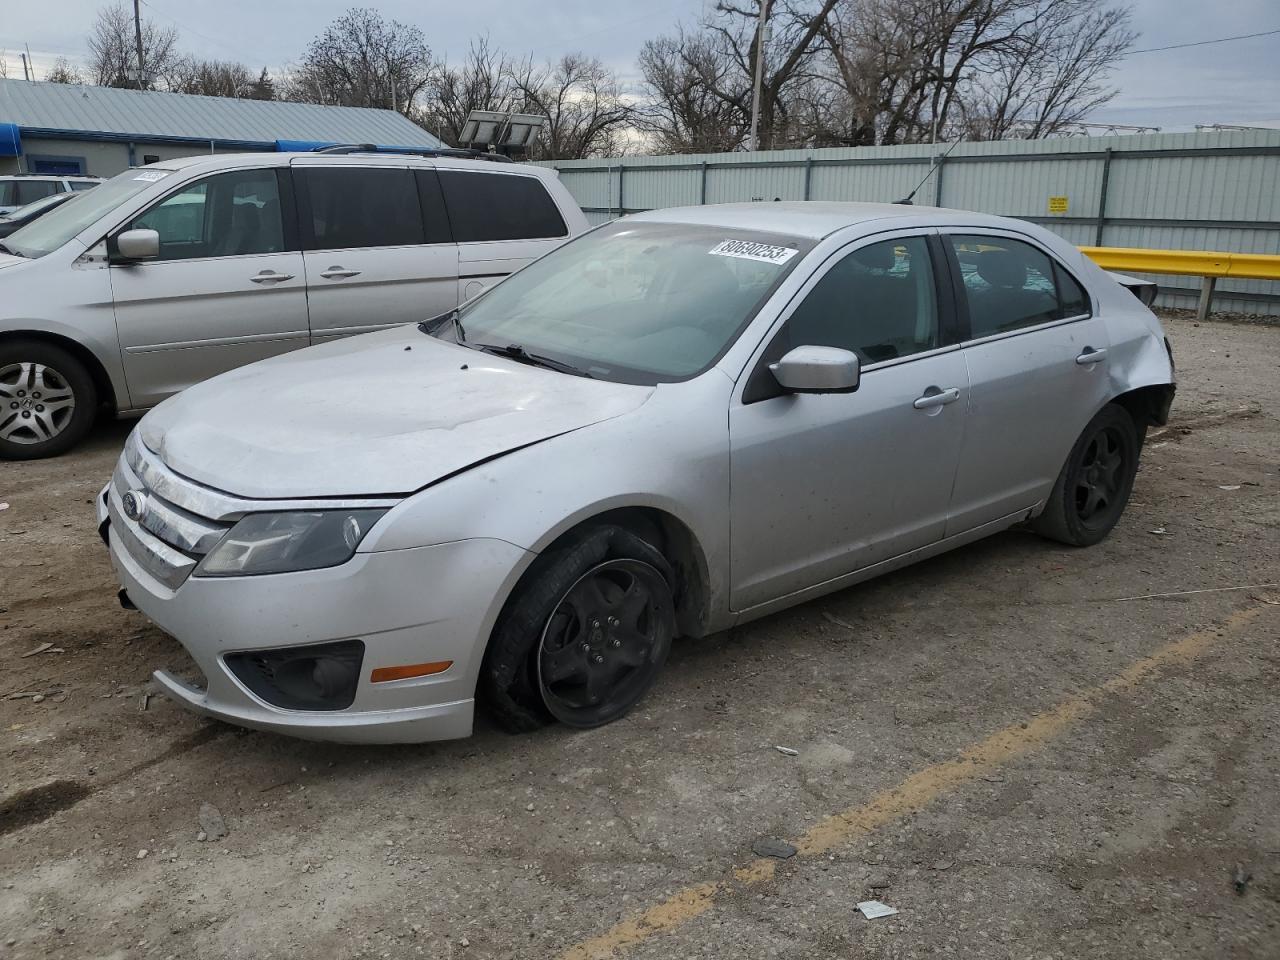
937	162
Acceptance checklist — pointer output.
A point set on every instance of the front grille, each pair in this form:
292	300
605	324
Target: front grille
170	536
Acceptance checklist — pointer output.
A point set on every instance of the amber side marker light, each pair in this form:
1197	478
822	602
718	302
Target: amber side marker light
408	670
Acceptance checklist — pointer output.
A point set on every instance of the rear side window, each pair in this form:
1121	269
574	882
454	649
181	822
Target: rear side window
498	206
349	207
1010	285
6	193
80	186
29	191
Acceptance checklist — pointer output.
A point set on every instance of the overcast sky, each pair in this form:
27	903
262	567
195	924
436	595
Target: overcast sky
1223	83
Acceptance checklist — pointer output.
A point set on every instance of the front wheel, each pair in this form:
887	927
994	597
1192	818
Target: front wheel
48	400
585	634
1095	483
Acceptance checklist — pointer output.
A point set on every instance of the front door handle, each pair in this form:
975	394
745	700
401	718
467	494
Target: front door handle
339	273
935	397
270	276
1091	355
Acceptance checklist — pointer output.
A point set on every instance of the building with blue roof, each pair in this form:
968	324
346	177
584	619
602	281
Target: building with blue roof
100	131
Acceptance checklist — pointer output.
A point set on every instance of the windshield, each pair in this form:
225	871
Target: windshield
56	227
634	302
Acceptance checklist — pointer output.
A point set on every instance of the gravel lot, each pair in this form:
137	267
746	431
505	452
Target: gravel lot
997	744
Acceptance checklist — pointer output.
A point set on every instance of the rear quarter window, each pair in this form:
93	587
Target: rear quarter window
499	206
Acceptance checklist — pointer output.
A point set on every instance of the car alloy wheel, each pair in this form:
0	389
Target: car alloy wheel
605	642
37	403
1101	477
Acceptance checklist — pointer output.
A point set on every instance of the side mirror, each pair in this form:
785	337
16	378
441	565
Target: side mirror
818	370
134	245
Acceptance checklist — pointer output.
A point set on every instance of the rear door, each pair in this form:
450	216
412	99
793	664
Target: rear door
501	220
377	247
227	289
1037	361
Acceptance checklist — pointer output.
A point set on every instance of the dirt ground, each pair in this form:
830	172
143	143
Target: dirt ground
998	743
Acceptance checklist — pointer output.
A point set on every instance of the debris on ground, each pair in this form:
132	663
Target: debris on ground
880	883
1228	486
1158	531
770	847
832	618
141	855
211	822
43	648
874	909
1241	879
787	751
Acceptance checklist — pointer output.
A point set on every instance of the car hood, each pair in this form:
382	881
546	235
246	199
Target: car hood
384	413
7	260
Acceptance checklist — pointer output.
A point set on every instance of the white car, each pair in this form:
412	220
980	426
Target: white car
679	421
175	272
17	191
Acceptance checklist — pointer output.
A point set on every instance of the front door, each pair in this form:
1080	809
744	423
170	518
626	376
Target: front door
1037	359
825	484
378	247
227	289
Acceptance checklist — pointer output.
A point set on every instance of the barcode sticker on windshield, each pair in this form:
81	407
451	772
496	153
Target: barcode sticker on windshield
747	250
151	176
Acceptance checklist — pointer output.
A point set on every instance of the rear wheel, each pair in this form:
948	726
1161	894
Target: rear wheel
584	636
48	400
1094	486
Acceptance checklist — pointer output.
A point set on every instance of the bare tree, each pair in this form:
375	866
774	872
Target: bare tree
113	54
482	82
583	103
684	108
362	60
915	70
210	78
1051	76
64	71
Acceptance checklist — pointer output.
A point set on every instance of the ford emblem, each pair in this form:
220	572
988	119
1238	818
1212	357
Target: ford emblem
135	504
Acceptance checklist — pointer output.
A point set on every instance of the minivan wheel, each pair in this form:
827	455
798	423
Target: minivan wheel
585	634
48	400
1095	483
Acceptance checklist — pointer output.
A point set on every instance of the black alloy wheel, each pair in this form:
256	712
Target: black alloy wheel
605	642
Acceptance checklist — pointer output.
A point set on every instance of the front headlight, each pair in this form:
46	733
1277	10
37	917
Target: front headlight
287	542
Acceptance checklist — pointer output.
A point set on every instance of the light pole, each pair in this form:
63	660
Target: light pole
761	25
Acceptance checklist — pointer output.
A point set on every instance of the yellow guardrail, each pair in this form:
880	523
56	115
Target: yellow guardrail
1188	263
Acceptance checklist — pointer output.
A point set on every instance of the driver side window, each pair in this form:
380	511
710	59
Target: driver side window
227	215
879	302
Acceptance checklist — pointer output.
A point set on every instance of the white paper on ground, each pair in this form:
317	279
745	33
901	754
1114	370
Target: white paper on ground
874	909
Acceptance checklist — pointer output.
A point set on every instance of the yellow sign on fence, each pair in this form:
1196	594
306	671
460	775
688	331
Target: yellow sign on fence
1057	204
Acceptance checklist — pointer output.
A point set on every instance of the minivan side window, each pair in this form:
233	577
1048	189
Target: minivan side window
878	301
29	191
499	206
227	215
1009	285
346	208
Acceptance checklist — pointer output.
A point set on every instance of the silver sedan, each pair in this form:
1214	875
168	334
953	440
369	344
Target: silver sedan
680	421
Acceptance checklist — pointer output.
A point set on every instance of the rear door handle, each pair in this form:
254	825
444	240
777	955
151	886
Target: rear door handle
339	273
270	276
1091	355
934	397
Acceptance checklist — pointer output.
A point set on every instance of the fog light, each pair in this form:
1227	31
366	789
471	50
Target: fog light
319	677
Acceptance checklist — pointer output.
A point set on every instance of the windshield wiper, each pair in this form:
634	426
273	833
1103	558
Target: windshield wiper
12	253
514	351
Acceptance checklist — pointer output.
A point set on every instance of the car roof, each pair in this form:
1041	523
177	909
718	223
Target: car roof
815	219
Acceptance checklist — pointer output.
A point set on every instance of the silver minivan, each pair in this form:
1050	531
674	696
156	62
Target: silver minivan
172	273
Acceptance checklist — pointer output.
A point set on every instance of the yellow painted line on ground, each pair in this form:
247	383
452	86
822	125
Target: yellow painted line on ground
914	793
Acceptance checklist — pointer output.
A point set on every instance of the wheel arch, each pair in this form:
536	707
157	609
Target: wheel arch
673	538
1148	405
97	370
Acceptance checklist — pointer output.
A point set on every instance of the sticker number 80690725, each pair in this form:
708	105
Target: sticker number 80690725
749	250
